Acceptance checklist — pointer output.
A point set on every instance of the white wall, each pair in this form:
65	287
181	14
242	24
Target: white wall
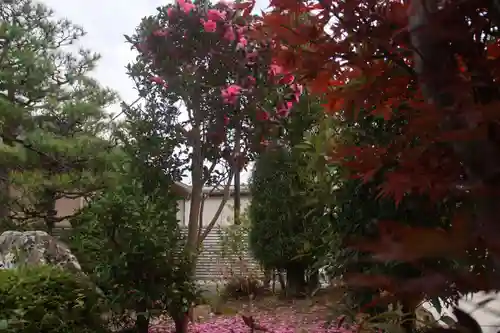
210	207
181	208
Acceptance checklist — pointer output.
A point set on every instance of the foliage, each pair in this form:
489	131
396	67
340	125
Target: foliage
385	57
287	227
200	56
130	243
48	299
240	278
52	119
182	59
357	208
233	238
275	233
237	287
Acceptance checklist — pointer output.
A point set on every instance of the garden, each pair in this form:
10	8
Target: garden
369	129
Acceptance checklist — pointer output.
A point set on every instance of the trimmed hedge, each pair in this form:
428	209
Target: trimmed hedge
47	299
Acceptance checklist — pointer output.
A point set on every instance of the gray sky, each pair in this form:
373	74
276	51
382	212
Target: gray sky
106	21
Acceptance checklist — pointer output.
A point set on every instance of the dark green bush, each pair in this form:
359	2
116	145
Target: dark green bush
47	299
131	245
240	286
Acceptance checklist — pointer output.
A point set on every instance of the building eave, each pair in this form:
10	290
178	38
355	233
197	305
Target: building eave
184	191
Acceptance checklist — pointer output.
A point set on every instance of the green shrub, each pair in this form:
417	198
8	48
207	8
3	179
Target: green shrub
240	286
47	299
132	248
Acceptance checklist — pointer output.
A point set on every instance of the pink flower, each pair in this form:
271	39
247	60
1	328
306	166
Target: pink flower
216	15
209	26
275	70
188	7
241	43
170	11
229	34
226	120
284	109
158	80
287	79
185	5
231	93
160	33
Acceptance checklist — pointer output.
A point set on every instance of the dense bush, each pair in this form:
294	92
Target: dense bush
47	299
132	247
240	276
286	232
241	286
288	226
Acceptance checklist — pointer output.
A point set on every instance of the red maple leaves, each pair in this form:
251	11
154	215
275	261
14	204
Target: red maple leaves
399	242
358	54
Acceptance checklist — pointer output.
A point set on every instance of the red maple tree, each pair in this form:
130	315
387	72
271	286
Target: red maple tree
438	62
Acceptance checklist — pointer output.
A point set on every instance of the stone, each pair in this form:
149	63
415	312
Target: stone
34	248
200	313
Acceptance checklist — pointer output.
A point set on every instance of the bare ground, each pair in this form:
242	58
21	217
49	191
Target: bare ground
272	312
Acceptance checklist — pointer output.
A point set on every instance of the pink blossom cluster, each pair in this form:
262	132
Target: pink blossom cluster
231	93
272	324
220	21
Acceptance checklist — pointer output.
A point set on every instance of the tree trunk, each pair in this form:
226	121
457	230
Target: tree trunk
268	276
181	323
281	280
4	193
196	197
295	280
313	281
48	208
223	202
236	168
141	321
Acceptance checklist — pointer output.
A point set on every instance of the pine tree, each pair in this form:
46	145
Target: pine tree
52	115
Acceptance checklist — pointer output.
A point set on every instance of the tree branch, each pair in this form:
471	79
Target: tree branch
225	198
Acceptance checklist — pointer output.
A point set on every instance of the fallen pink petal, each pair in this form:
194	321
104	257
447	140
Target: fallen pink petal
280	321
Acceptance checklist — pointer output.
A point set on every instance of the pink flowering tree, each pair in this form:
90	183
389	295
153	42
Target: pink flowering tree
211	88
